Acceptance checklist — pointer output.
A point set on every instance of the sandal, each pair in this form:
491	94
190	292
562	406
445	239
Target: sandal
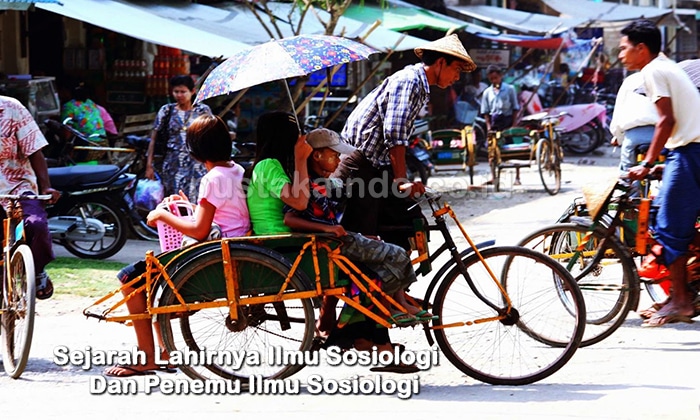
425	316
126	371
403	319
44	286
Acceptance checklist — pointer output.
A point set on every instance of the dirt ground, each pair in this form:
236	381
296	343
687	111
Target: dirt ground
637	373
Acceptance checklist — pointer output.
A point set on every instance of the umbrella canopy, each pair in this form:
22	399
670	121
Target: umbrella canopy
692	67
280	59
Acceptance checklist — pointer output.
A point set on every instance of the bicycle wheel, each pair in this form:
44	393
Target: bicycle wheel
548	166
511	351
18	311
610	288
286	325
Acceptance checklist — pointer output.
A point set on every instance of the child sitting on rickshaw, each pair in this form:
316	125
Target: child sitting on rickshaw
221	203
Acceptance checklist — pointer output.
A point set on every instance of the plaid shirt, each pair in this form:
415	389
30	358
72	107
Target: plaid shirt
385	117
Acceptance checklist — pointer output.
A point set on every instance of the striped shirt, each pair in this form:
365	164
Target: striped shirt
385	117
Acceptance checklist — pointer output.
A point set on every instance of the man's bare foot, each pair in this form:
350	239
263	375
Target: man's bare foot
671	313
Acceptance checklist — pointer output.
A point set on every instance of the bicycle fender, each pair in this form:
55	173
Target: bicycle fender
437	278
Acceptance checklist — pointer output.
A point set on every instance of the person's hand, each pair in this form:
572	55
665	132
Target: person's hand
154	216
414	189
302	150
614	142
150	173
337	230
637	172
55	195
657	171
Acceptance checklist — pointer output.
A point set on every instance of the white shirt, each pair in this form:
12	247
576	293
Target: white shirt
632	107
664	78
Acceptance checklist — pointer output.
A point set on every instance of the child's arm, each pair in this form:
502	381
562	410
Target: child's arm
298	223
296	194
198	228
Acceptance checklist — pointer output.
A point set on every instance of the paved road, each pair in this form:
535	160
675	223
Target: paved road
638	373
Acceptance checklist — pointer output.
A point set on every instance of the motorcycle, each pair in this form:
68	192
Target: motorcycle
90	218
96	209
582	127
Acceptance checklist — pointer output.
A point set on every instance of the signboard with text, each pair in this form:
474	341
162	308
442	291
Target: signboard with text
485	57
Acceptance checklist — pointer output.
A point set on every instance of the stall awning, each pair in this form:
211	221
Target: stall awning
22	4
128	19
522	22
401	16
601	12
238	19
525	41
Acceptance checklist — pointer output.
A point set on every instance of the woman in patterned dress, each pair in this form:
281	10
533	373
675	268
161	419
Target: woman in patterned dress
178	171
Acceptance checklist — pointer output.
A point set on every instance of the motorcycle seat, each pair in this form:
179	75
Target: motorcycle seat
69	177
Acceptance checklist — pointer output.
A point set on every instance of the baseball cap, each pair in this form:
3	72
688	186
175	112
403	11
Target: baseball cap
323	137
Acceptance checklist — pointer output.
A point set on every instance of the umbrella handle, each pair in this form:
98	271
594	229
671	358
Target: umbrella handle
291	101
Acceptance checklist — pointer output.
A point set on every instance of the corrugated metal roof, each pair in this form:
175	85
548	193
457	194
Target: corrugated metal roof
523	22
22	4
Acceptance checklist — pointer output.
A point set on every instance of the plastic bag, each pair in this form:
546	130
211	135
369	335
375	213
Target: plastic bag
149	193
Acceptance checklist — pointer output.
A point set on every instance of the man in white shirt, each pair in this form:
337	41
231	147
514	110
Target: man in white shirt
677	102
633	120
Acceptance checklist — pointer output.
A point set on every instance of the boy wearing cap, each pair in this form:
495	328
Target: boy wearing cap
380	127
391	262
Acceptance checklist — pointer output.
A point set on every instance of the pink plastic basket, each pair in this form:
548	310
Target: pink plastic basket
170	238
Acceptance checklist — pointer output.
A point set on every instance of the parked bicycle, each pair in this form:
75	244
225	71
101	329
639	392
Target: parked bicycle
517	147
18	288
501	316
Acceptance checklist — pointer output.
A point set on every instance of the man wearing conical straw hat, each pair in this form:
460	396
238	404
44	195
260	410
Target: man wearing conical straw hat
379	128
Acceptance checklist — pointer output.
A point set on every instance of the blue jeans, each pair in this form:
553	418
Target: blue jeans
634	137
678	201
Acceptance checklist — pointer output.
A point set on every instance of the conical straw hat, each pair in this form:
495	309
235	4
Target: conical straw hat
449	45
596	194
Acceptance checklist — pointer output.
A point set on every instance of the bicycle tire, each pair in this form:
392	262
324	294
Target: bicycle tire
610	289
115	234
201	280
19	300
548	166
521	356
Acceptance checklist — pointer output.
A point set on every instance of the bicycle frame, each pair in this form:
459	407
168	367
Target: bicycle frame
157	275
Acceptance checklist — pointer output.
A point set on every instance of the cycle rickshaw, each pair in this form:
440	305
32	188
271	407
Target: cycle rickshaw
502	317
517	147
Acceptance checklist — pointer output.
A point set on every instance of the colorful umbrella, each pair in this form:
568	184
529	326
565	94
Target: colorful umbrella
692	67
281	59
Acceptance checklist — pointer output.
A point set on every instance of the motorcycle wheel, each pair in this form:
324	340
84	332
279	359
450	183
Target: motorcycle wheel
414	168
582	141
114	239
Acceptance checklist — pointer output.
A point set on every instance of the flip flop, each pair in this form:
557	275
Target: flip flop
167	369
44	289
659	320
425	316
129	371
403	319
396	369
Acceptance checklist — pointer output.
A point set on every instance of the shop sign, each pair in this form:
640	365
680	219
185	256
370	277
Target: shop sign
485	57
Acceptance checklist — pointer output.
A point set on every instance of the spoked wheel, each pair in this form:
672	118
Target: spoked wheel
98	245
536	336
582	140
18	312
548	165
286	325
610	287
